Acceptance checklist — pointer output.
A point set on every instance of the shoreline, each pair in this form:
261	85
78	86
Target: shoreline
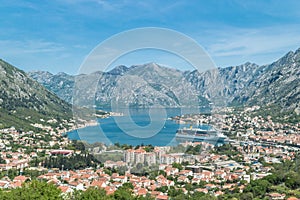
85	124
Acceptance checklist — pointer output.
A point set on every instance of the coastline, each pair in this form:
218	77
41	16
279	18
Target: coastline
79	126
85	124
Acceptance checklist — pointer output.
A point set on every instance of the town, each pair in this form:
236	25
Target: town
256	148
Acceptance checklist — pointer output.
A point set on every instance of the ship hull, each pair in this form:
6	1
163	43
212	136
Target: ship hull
199	135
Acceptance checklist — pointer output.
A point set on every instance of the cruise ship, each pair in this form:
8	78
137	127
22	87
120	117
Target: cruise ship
198	135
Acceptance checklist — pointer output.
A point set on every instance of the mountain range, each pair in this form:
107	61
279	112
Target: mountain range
24	102
151	85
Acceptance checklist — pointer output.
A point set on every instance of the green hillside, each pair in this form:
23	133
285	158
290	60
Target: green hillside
24	102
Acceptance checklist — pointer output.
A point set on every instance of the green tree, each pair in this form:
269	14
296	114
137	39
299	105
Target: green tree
91	194
202	196
173	192
34	190
177	165
127	186
123	194
162	189
258	187
246	196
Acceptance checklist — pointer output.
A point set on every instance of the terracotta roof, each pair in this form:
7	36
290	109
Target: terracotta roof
142	191
96	183
21	178
292	198
64	189
16	184
162	197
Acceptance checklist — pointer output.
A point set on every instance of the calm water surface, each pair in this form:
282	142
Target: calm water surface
137	126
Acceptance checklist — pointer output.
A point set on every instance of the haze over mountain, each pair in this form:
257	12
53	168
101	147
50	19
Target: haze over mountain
23	101
151	84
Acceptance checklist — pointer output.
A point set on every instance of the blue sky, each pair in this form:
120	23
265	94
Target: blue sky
57	35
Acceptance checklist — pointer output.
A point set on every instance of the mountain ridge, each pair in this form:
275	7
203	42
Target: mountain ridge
23	101
151	84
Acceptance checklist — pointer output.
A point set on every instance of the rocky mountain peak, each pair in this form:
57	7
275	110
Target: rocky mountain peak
119	70
247	84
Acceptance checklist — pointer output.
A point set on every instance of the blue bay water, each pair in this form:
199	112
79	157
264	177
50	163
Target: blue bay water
136	127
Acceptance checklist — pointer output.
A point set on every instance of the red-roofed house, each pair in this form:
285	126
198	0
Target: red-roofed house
99	184
65	189
22	179
141	192
162	197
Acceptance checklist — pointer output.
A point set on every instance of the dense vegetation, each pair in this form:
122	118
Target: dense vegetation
278	114
37	190
34	190
72	163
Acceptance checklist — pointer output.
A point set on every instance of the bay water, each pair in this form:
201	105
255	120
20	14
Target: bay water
136	127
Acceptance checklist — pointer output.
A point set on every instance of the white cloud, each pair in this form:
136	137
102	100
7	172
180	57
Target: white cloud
12	47
245	42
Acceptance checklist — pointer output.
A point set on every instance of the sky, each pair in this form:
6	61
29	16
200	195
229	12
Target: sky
58	35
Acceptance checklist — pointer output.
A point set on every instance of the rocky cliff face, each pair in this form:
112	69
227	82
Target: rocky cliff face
151	84
61	84
277	83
